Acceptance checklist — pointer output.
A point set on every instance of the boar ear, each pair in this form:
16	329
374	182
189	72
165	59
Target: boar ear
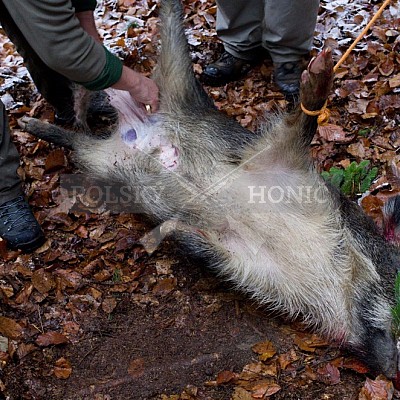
391	220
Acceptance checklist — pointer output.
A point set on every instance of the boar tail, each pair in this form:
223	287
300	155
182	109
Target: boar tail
179	88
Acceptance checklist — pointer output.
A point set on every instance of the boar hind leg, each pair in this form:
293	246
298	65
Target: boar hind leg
315	86
50	133
179	88
289	139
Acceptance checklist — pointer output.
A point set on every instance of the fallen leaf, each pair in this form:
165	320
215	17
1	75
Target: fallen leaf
55	160
43	281
241	394
394	81
287	358
226	377
378	389
108	305
165	286
24	349
259	391
10	328
355	365
334	133
51	338
357	150
63	368
23	296
265	350
329	374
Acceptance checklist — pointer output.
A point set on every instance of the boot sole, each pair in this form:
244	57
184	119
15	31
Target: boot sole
29	246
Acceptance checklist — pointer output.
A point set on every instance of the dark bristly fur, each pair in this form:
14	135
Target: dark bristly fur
317	256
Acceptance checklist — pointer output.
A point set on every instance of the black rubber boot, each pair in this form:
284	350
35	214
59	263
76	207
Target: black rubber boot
19	227
226	69
287	77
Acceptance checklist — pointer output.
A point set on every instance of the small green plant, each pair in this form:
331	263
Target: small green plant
396	308
133	25
117	275
353	180
364	132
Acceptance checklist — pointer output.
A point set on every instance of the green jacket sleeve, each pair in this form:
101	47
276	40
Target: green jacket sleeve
54	33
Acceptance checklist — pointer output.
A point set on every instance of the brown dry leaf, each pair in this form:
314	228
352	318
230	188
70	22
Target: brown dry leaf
389	101
309	373
82	231
250	372
3	249
334	133
10	328
394	81
62	369
23	296
358	107
355	365
51	338
60	218
165	286
241	394
226	377
136	368
287	358
386	67
24	349
69	278
357	150
329	374
270	369
43	281
7	290
378	389
303	345
55	160
372	205
102	276
265	350
108	305
265	389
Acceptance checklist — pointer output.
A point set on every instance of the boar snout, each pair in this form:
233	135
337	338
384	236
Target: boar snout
381	353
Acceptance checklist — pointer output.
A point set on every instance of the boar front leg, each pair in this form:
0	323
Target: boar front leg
50	133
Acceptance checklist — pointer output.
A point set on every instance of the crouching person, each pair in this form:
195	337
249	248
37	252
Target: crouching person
17	223
61	47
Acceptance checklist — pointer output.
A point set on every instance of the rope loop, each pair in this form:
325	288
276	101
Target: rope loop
324	114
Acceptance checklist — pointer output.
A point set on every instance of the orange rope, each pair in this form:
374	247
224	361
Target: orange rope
323	113
361	35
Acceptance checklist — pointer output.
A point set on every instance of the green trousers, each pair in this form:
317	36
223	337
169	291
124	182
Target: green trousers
54	87
10	184
285	28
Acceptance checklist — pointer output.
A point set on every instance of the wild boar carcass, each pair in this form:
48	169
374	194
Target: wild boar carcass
252	205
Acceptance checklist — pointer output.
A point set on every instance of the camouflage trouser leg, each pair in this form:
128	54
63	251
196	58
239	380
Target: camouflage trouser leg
55	88
10	184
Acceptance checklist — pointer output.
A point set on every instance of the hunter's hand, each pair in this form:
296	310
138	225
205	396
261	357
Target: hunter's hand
141	88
